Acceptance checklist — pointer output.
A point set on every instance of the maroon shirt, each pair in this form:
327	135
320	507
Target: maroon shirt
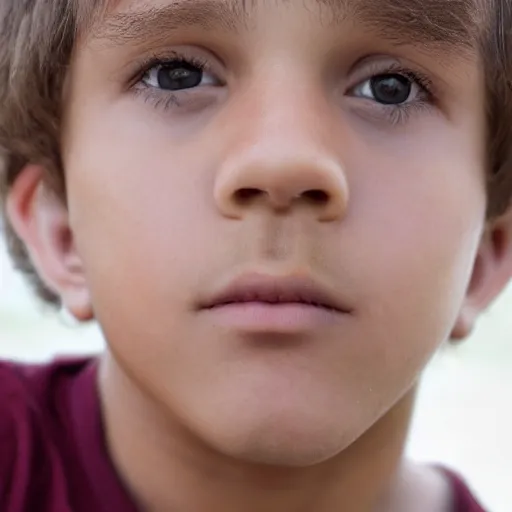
53	456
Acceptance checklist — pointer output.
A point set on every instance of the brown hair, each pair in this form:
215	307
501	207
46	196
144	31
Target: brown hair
37	38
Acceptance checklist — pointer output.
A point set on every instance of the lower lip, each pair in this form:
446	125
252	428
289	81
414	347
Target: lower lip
273	318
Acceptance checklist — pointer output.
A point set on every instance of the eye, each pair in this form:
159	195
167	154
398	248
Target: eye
389	89
177	75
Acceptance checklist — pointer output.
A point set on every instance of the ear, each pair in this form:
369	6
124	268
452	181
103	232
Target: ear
491	273
41	221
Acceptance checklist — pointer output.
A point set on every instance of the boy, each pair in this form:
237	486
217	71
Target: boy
277	212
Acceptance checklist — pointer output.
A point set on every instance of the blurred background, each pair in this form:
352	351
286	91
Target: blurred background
464	414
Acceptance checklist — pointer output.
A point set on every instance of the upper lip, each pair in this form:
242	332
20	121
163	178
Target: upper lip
271	289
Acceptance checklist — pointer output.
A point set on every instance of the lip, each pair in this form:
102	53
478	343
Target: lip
281	304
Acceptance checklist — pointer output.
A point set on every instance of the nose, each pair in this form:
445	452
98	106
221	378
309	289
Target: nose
281	170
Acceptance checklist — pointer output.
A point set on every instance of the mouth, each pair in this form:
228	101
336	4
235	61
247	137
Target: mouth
275	291
266	303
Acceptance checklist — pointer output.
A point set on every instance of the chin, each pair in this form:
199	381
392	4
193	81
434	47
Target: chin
290	437
290	454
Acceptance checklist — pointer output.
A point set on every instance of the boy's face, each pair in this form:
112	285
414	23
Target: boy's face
208	146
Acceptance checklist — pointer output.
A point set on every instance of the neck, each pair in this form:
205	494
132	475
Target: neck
167	468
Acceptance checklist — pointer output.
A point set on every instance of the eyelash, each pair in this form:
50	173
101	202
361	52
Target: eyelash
400	114
396	114
163	99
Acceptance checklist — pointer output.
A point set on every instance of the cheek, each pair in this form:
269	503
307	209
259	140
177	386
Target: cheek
417	228
149	217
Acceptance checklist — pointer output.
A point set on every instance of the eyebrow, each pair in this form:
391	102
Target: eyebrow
437	24
453	23
155	21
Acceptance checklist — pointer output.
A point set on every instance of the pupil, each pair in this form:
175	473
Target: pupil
181	75
391	89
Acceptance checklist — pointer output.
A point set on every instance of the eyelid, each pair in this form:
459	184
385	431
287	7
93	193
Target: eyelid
369	68
392	115
195	55
186	100
180	62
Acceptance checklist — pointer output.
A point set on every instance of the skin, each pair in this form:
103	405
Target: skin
250	420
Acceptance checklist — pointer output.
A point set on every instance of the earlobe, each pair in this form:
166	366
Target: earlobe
40	219
492	271
465	324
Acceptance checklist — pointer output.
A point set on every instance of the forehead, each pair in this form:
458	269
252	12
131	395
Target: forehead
427	22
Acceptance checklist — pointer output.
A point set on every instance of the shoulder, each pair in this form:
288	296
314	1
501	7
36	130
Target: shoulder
16	403
17	406
30	410
424	488
34	389
462	497
11	413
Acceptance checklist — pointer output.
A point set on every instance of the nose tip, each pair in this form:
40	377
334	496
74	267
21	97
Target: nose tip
316	184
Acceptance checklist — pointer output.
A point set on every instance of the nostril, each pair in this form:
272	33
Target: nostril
246	195
318	197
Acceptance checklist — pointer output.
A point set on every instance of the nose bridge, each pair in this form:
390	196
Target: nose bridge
284	156
289	114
